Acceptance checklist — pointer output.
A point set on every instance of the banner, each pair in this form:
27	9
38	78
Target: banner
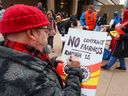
88	46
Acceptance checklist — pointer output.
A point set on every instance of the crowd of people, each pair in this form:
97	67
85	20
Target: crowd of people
26	68
92	20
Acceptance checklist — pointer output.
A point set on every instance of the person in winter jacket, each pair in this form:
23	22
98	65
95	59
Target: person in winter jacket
88	19
119	51
115	19
59	19
25	70
98	17
103	20
52	28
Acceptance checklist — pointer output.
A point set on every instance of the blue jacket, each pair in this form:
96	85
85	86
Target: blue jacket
116	18
82	19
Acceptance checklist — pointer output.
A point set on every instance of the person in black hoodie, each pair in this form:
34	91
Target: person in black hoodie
103	20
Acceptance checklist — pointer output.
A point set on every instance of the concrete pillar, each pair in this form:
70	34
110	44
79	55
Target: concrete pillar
74	6
51	5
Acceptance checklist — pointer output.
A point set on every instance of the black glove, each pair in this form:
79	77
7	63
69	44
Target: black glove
75	71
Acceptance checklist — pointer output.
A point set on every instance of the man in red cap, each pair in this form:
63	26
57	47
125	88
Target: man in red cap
25	70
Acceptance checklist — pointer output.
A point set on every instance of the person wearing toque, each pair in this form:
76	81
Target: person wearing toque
25	69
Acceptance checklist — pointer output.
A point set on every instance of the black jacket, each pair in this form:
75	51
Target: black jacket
121	47
24	75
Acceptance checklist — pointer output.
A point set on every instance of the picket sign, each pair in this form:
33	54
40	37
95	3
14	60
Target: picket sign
88	46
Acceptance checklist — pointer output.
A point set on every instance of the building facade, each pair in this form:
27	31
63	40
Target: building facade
7	3
67	7
70	7
108	2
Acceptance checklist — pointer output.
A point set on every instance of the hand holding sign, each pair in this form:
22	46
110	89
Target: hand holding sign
88	46
117	37
73	62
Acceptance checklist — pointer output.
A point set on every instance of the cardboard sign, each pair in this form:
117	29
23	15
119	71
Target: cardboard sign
88	46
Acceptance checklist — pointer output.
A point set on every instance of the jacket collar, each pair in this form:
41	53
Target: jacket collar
26	49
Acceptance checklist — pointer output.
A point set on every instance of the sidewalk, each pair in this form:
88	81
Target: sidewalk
112	82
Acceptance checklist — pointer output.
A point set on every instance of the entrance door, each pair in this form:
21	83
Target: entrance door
63	6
